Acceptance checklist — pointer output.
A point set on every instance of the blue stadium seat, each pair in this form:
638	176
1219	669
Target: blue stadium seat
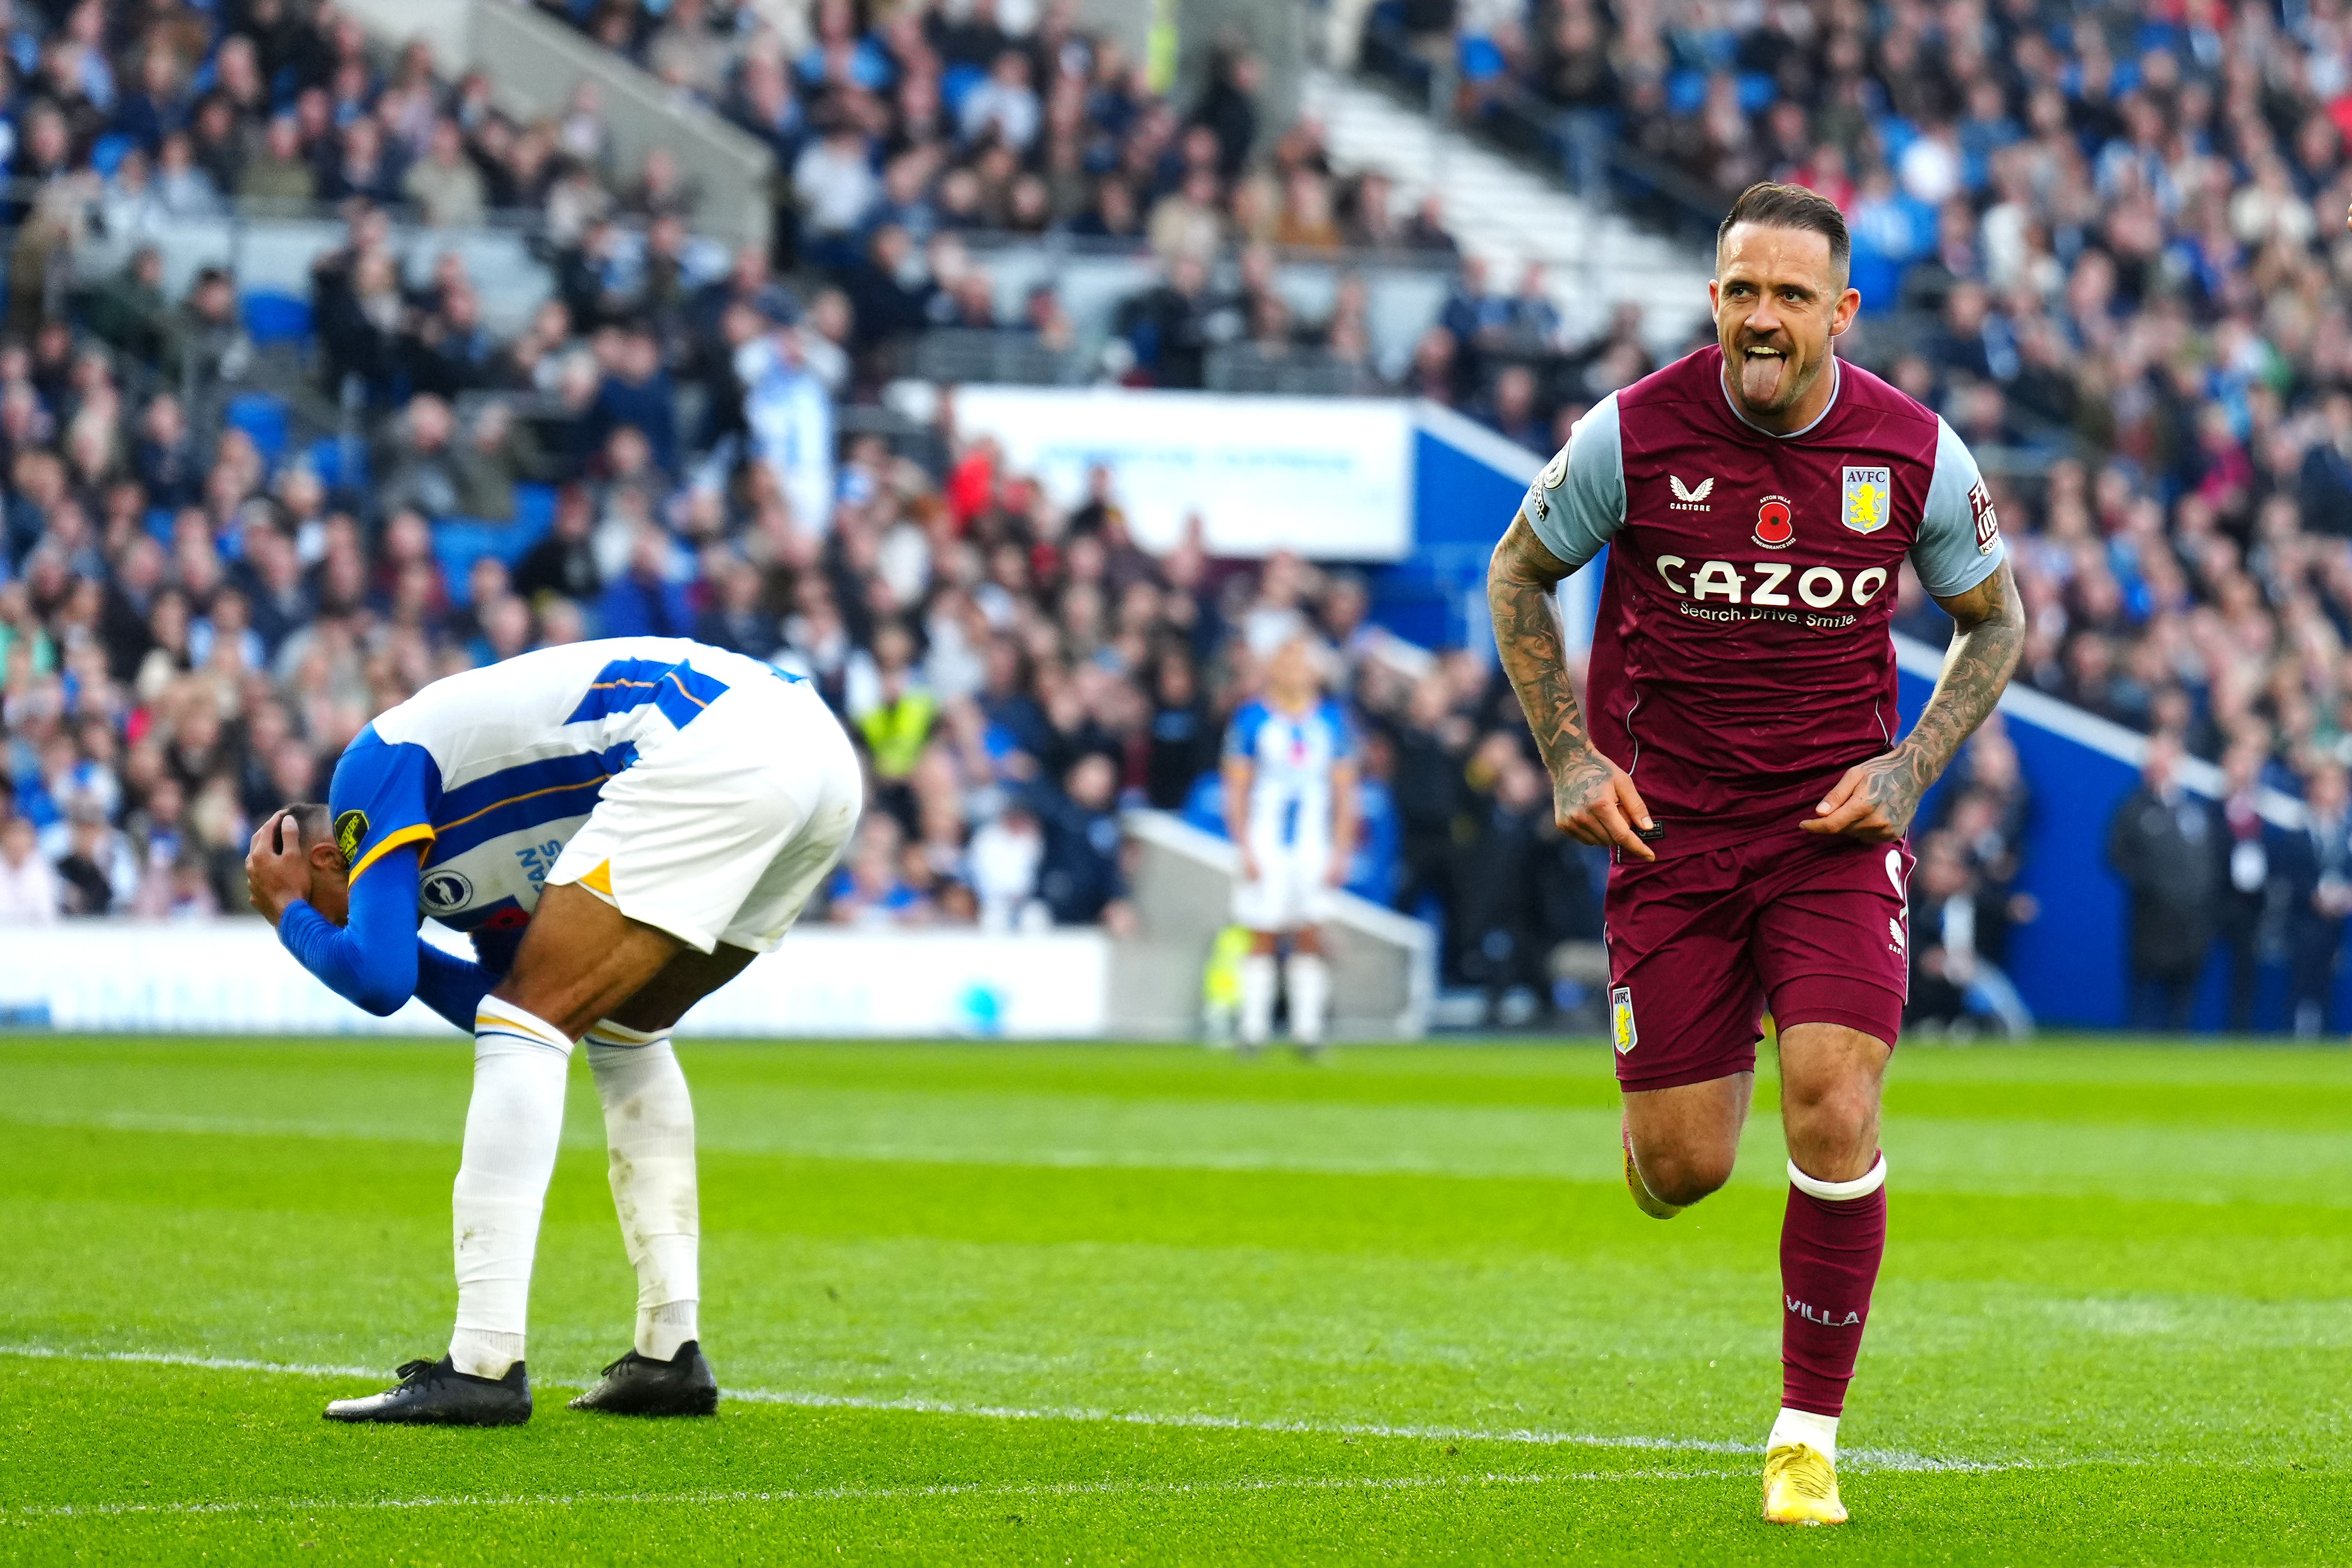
958	83
1481	60
263	417
535	507
274	318
106	152
460	541
327	461
1685	91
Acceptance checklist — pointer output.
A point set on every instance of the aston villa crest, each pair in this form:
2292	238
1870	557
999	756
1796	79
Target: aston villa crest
1869	499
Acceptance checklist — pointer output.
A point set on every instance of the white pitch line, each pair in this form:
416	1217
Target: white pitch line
1862	1459
202	1363
1226	1162
867	1494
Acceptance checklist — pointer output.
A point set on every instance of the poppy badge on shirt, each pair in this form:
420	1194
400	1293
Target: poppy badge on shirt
1869	497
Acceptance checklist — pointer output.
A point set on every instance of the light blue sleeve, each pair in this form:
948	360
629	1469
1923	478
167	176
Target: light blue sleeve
1241	736
1959	538
1343	733
1577	504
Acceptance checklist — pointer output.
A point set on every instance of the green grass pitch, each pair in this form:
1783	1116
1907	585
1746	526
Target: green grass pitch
1112	1303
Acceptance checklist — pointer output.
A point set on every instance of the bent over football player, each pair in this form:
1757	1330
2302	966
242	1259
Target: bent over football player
622	826
1758	500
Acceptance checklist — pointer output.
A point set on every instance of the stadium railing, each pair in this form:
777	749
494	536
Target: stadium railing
1092	277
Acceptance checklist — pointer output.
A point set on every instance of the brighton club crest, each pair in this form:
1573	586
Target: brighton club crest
1869	495
1776	527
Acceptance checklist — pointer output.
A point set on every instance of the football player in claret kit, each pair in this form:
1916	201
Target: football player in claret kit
1290	805
1740	753
622	826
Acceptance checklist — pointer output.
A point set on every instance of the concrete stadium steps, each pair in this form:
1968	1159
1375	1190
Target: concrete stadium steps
273	256
1508	215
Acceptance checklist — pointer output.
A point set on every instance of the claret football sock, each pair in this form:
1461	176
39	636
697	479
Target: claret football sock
1831	1243
649	1134
1309	981
1257	998
513	1127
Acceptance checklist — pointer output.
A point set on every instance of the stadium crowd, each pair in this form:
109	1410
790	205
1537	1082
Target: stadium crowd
194	621
2106	242
2112	239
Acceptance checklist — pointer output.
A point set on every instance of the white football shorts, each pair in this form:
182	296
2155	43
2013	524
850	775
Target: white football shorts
1290	891
720	831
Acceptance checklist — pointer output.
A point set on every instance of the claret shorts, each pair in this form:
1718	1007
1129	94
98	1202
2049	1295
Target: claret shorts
1701	942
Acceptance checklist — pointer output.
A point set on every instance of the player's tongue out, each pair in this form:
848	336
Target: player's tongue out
1763	372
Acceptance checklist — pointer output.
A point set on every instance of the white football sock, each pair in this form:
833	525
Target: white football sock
513	1127
649	1133
1309	980
1257	998
1819	1432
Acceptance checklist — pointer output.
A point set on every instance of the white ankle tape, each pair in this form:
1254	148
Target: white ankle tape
1862	1186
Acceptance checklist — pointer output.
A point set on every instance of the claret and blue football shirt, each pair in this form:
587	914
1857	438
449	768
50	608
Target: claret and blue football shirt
1742	660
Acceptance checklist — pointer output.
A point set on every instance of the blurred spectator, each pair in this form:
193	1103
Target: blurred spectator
1954	986
1004	858
1500	938
2319	892
2161	843
2245	878
1184	737
29	889
445	184
1078	875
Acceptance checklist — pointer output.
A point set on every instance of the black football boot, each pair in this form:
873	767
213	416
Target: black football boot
436	1393
640	1386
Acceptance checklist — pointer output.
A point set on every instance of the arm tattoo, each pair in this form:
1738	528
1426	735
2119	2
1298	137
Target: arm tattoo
1533	647
1983	655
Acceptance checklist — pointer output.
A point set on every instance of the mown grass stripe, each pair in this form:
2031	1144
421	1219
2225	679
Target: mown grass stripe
1866	1458
1047	1489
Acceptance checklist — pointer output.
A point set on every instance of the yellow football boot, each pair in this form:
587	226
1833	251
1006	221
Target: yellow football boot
1654	1207
1800	1487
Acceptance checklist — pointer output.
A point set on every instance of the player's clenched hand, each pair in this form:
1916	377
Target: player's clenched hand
1594	801
277	872
1873	801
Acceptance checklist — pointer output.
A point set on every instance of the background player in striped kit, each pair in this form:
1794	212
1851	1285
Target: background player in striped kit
1290	805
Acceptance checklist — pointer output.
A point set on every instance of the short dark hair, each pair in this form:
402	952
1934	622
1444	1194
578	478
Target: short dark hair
312	822
1775	206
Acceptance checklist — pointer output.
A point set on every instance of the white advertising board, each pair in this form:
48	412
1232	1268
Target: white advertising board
1330	478
231	976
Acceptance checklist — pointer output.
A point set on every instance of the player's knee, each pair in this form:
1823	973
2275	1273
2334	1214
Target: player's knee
1685	1175
1831	1129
